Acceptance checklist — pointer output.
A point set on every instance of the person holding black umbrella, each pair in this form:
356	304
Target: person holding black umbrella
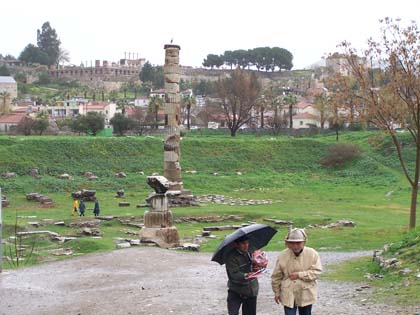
295	274
236	251
242	290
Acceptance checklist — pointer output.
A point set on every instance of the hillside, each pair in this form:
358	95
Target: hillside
264	162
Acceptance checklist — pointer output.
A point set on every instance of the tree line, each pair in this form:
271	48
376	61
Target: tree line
262	58
47	51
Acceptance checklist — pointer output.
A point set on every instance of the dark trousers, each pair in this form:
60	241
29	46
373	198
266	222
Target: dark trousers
306	310
235	300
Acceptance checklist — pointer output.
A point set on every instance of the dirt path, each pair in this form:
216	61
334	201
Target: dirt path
153	281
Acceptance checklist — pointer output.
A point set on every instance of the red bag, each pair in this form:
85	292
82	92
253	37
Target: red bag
259	260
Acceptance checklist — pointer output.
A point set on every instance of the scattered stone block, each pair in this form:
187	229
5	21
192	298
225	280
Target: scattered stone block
85	195
88	174
140	173
191	246
143	205
341	223
279	222
60	223
221	228
61	251
239	173
120	193
120	175
45	200
135	242
81	224
65	176
33	196
206	233
52	234
106	217
8	175
91	231
124	245
93	177
130	232
123	204
35	224
404	271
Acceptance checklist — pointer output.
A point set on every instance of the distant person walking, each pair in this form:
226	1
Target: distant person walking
96	209
75	207
82	208
294	276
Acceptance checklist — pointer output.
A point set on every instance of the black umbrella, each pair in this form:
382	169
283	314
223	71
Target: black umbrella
259	235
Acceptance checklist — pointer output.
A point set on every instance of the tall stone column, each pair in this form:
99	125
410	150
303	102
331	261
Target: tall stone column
172	152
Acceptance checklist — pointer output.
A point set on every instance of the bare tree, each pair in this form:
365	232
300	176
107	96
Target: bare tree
239	95
393	96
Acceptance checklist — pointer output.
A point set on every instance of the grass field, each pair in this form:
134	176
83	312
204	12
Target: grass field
370	190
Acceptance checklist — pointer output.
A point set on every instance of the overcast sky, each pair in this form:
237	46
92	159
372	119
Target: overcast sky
104	30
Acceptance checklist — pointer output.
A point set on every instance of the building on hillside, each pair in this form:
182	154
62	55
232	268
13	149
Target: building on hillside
123	71
160	93
200	100
11	63
307	120
187	93
105	108
338	63
305	114
8	92
9	85
141	101
9	121
63	109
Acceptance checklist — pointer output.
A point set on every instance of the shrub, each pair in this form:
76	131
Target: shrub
339	154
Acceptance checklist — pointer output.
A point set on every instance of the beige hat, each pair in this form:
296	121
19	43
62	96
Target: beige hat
296	235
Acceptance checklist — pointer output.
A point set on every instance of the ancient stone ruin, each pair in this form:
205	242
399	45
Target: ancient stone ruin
158	221
84	194
178	196
44	200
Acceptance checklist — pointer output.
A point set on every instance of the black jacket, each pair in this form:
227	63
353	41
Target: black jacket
237	265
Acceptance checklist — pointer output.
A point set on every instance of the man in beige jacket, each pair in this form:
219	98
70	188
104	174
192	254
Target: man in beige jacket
294	276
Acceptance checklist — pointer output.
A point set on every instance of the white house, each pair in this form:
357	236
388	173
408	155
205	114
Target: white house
160	93
9	85
105	108
141	101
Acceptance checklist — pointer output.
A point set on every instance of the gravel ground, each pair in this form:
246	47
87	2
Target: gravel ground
153	281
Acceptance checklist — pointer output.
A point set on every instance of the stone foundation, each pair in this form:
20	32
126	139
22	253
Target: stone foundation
158	219
163	237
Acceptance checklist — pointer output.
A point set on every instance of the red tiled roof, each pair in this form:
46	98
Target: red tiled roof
160	91
305	116
12	118
95	105
303	104
317	91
